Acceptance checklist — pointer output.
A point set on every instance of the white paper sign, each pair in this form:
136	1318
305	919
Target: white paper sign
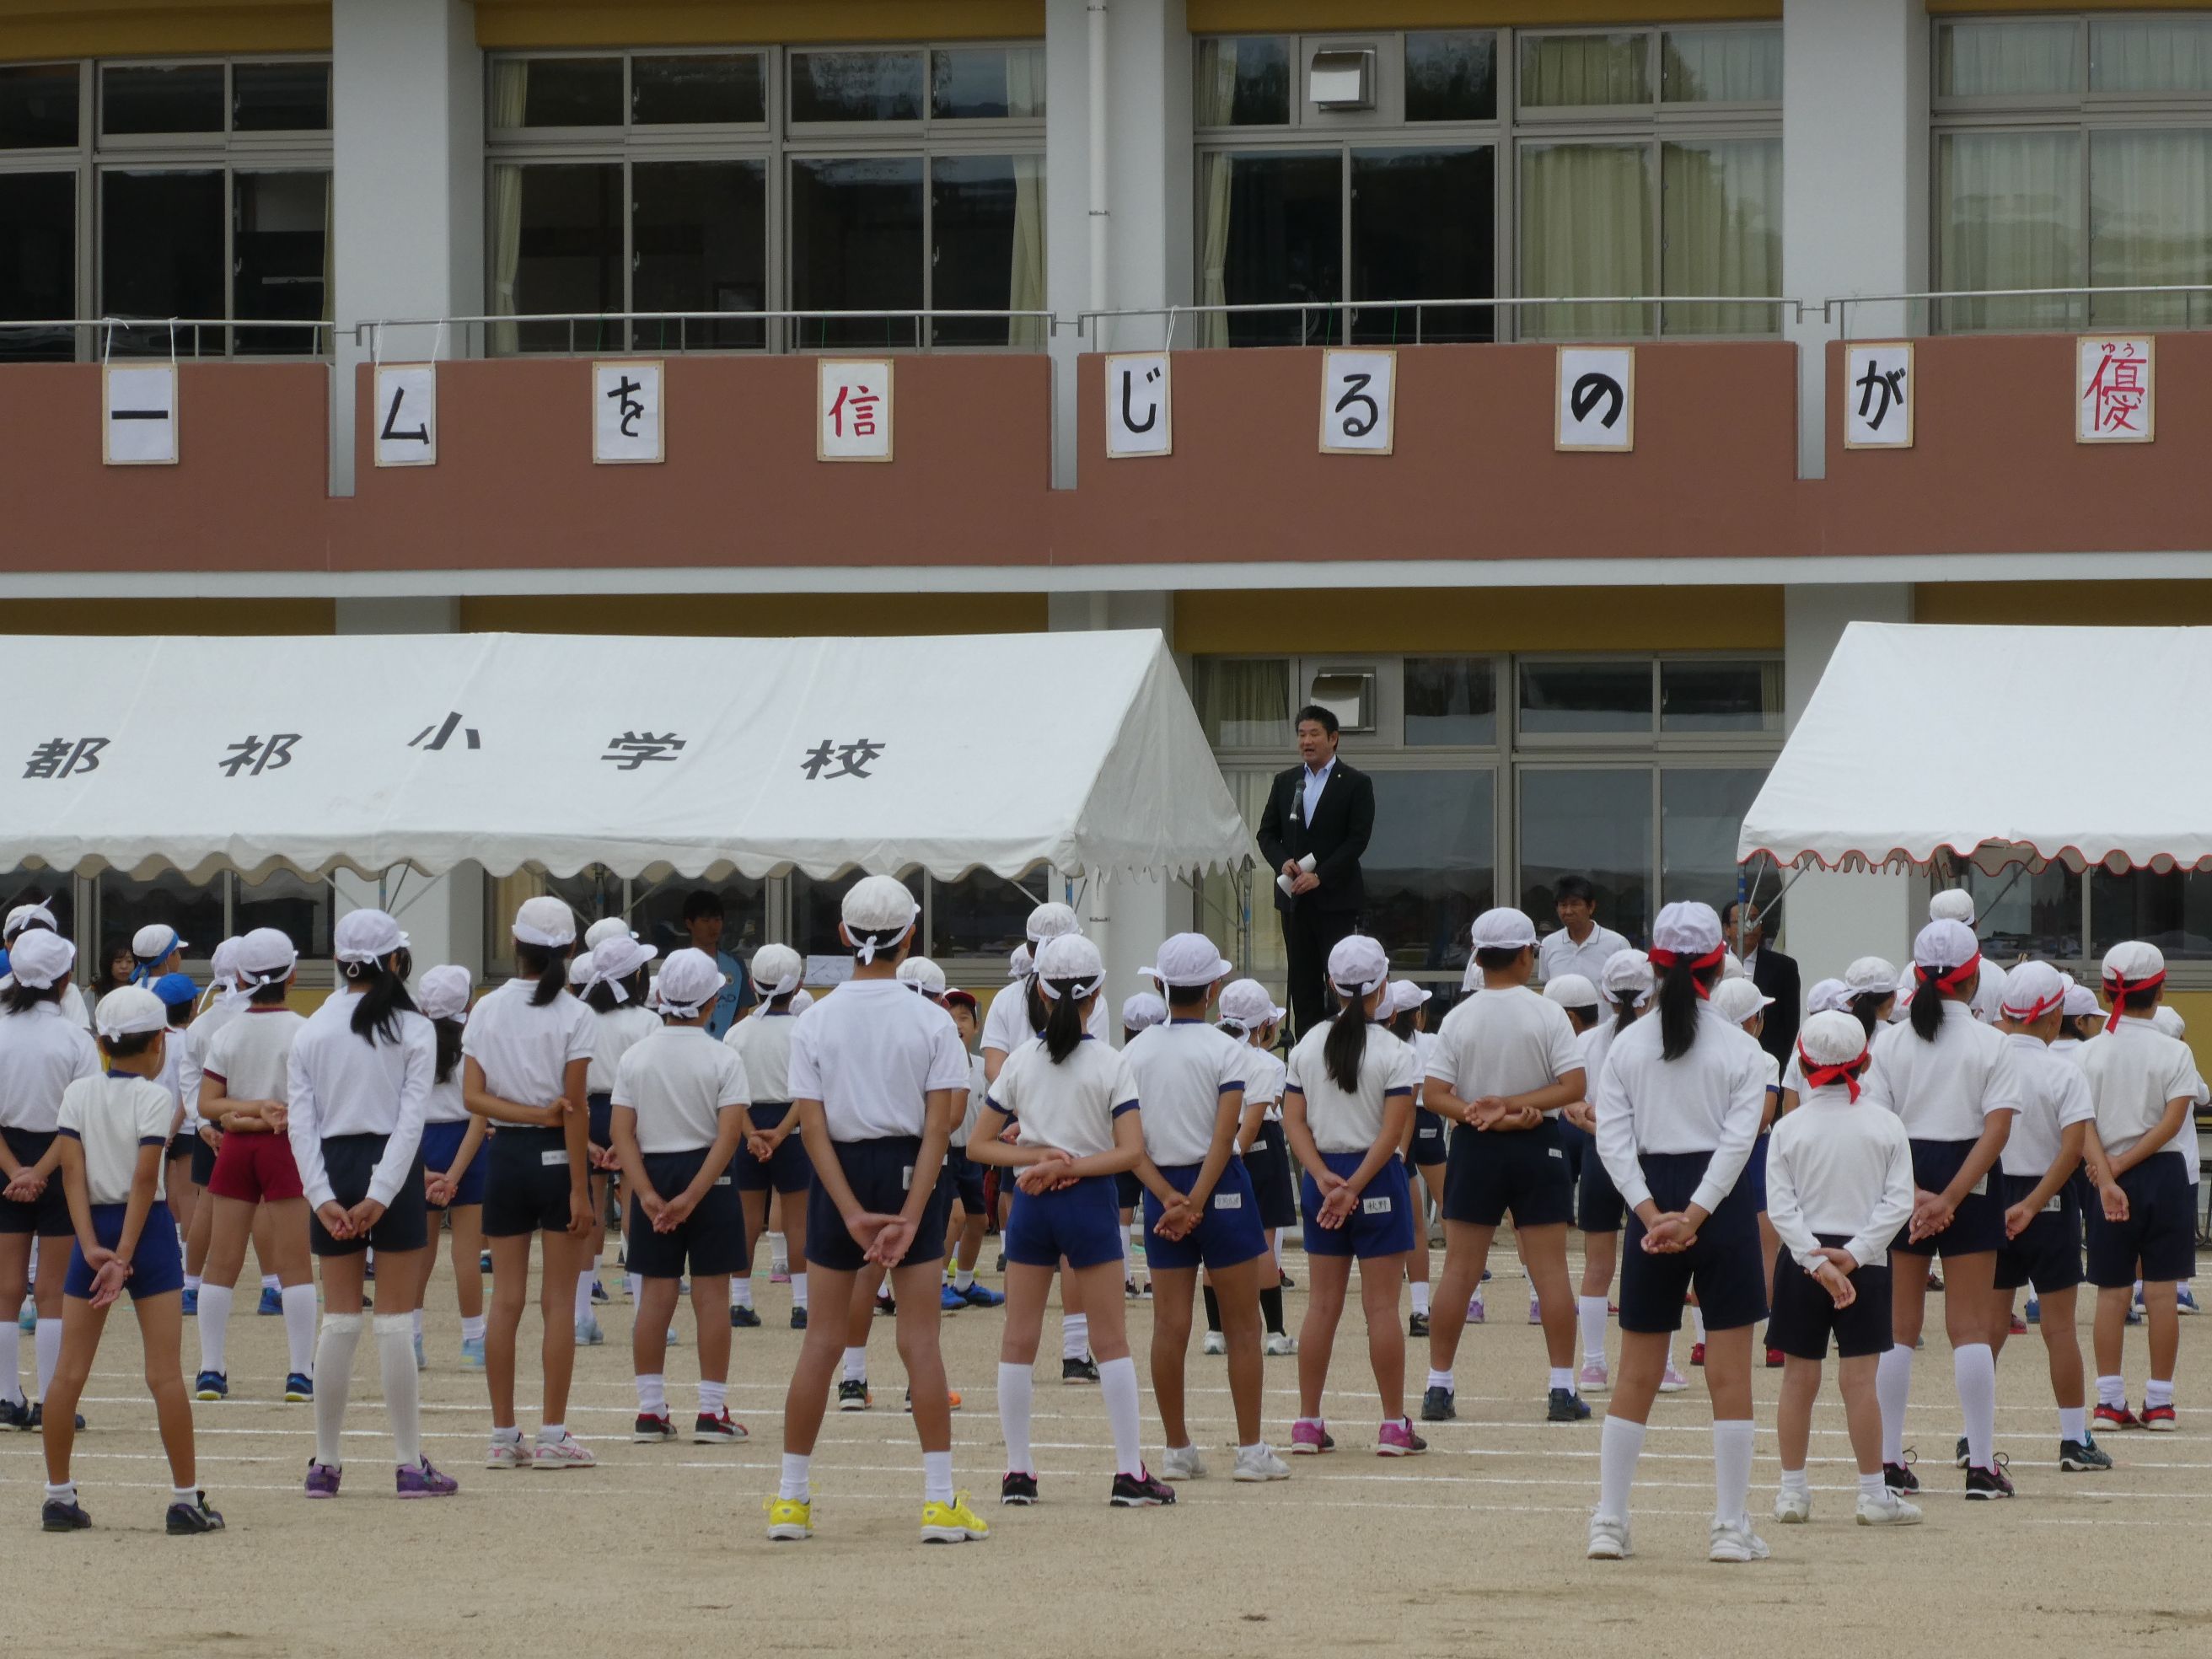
2115	392
406	414
1596	398
138	416
853	409
1358	397
1878	395
1140	413
626	412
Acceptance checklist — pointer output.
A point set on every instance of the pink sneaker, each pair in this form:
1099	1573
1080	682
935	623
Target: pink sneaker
1592	1378
779	1275
1398	1440
1672	1381
1310	1439
1474	1309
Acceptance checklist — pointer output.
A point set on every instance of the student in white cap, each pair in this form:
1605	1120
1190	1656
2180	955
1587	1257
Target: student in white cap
157	951
453	1161
773	1160
614	990
1505	1064
2144	1084
680	1101
244	1087
879	1077
1252	1016
1679	1106
360	1076
110	1130
607	927
1578	995
224	1002
1957	904
963	1237
2171	1023
41	1054
2083	1020
525	1056
1839	1185
1347	1108
1404	1009
1139	1013
1743	1002
1871	984
37	917
1952	1080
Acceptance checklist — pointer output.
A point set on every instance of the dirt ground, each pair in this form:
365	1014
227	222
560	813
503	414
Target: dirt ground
1472	1551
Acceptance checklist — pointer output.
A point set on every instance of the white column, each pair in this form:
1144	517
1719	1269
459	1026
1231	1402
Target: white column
1855	163
407	144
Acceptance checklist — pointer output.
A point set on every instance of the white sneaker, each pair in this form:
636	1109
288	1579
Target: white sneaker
1793	1509
565	1453
1672	1381
507	1455
1887	1508
1215	1344
1608	1539
1734	1540
1260	1464
1592	1378
1182	1463
1279	1344
588	1334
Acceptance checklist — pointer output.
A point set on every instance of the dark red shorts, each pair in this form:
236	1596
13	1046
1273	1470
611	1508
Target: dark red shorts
255	1167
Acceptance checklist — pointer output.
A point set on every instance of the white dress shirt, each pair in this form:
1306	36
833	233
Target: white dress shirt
1556	953
1837	1167
1710	1100
1312	783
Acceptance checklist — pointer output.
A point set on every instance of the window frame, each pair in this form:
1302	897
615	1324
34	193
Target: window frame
317	971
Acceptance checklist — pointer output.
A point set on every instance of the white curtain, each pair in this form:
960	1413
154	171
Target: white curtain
1259	950
1561	71
1585	229
510	88
1721	66
2142	54
2009	215
2150	222
1026	82
1989	60
1025	282
1723	232
1214	103
1245	703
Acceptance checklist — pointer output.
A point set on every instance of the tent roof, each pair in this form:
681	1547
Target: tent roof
2002	745
1079	751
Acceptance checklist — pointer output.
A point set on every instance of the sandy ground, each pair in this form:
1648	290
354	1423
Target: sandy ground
1473	1550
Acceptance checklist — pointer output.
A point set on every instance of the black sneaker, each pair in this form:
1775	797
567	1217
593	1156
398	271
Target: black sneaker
744	1318
2085	1454
1289	1283
55	1516
193	1517
1899	1477
38	1419
886	1306
852	1394
1017	1489
1140	1491
1002	1262
15	1414
1436	1405
1085	1370
1959	1457
1992	1482
798	1319
1566	1406
1418	1325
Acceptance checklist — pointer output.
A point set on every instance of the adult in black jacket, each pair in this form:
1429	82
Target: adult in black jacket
1774	974
1320	815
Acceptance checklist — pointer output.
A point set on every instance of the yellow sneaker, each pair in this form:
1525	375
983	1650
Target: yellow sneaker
789	1519
951	1523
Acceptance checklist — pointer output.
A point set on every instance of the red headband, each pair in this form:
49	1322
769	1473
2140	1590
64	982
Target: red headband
2118	988
1712	958
2035	1011
1951	978
1820	1076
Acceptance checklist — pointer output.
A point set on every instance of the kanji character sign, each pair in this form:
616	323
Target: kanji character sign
63	758
832	759
1359	402
1878	395
632	750
852	410
626	412
2115	392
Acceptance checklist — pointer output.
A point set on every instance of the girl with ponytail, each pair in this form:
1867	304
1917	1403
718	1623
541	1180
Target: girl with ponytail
613	988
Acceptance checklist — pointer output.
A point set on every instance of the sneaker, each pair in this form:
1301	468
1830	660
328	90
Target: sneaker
1566	1406
298	1389
2034	1311
1959	1458
789	1519
423	1481
953	1523
2160	1419
1283	1273
950	1300
951	1401
1259	1463
1934	1277
507	1455
780	1275
1887	1509
852	1394
421	1363
1697	1353
210	1385
1017	1489
191	1300
57	1515
886	1306
651	1428
674	1340
2019	1326
15	1414
565	1453
1182	1463
1002	1262
2185	1300
2077	1456
1774	1359
322	1479
2115	1417
980	1295
1129	1289
472	1352
1608	1540
39	1418
716	1429
1793	1508
272	1302
1671	1381
185	1519
26	1320
1143	1491
1418	1325
1280	1345
1899	1477
1085	1370
588	1334
484	1261
1592	1378
1398	1440
743	1318
1992	1482
1310	1439
1216	1343
599	1292
1535	1309
1734	1541
1437	1406
1146	1291
1474	1309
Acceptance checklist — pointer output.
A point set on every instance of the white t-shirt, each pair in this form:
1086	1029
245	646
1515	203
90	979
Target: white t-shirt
525	1051
677	1081
2134	1070
1556	954
41	1054
252	1054
1007	1025
1264	1076
113	1117
2052	1095
1342	1121
978	1093
1182	1069
1071	1106
613	1036
447	1103
1944	1089
1504	1041
762	1040
193	1054
873	1053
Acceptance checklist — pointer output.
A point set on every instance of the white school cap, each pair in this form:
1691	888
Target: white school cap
265	957
1070	957
800	1002
1948	942
777	970
1686	931
605	928
1189	959
1359	963
580	969
2033	990
1571	991
1051	920
223	965
1871	974
1951	904
1827	996
1142	1012
365	935
1731	966
153	942
129	1010
1628	977
1019	961
39	959
879	912
24	915
615	962
689	980
1503	929
1249	1004
546	922
1406	996
1832	1039
1738	1000
2166	1020
2082	1002
2133	965
445	991
923	975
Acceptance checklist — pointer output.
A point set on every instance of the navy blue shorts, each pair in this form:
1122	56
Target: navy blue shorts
1598	1206
203	1160
441	1144
1381	1224
1724	1267
709	1241
1488	1172
2047	1255
1579	1144
1754	1173
1128	1191
1977	1225
526	1187
1428	1148
1268	1164
1082	1223
966	1177
1805	1316
787	1169
1227	1234
2159	1236
881	1174
156	1267
600	1109
47	1215
348	1161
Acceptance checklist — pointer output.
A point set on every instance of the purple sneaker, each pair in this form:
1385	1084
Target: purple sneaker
1310	1439
1398	1440
322	1479
423	1481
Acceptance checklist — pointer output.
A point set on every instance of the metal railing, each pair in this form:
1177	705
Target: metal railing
2008	309
681	332
90	339
1344	322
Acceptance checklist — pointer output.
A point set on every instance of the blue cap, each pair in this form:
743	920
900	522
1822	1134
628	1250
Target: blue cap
175	989
4	963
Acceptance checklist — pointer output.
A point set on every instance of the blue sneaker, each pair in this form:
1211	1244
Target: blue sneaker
28	1321
2185	1300
599	1294
191	1300
472	1353
980	1295
421	1363
2034	1314
272	1302
298	1389
949	1299
211	1385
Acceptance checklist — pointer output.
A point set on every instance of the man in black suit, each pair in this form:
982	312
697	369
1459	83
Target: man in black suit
1774	974
1319	817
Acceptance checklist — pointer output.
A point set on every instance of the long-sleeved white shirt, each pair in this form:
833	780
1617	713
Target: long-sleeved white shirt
340	1085
2054	1094
1943	1090
1835	1166
1710	1100
193	1049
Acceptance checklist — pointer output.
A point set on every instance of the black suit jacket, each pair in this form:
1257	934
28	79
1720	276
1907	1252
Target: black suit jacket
1343	821
1777	976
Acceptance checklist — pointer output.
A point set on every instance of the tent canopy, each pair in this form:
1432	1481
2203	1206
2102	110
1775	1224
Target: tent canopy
551	752
1999	746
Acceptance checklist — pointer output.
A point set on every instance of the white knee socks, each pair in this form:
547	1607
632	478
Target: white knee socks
334	1382
1731	1468
585	1280
214	1322
1618	1447
46	1347
1893	1386
11	1361
1589	1312
402	1402
1117	1380
300	1327
1017	1389
1075	1337
1974	1369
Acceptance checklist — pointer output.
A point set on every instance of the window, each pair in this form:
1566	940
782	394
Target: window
655	910
205	914
2069	916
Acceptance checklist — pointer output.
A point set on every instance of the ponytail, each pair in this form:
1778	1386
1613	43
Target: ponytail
1034	1004
1063	1025
21	998
1864	1004
1682	991
546	963
1624	1014
1927	1010
600	998
1404	1026
383	1000
449	1048
1346	1046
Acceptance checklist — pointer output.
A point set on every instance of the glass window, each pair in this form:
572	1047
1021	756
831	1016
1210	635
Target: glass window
856	86
701	236
279	257
2150	223
1700	814
2173	911
161	246
1568	71
1720	696
1593	822
563	92
1722	219
1450	700
815	911
2018	914
987	217
2008	215
1423	228
284	97
565	255
57	892
1561	699
697	90
1244	704
977	83
161	98
1451	76
856	245
2150	54
1273	232
657	915
1432	865
1586	229
1243	82
1721	66
37	263
38	107
301	910
983	914
193	909
2029	58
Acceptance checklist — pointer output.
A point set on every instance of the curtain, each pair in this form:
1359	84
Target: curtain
1723	225
1213	177
1024	82
1987	60
2143	54
1258	951
2150	222
1025	282
510	88
1215	103
1721	66
1585	229
1576	70
2009	215
1245	704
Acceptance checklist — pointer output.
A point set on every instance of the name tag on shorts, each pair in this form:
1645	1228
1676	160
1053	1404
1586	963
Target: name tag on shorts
724	1181
1374	1206
1981	1188
1229	1201
1558	1153
2056	1205
554	1160
906	1179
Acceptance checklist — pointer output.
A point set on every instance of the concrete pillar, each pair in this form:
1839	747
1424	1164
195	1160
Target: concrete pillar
407	142
1855	173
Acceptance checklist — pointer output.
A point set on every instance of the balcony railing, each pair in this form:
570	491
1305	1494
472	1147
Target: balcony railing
92	339
1574	319
685	332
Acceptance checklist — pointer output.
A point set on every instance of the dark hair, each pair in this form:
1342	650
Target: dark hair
1680	1006
1492	956
2140	1003
702	902
1034	1004
1864	1004
270	995
1574	887
1587	1015
1624	1012
105	980
782	1004
1319	716
1764	923
1063	1026
21	999
129	1047
1347	1043
383	1000
181	1013
1187	996
1928	1009
546	963
1402	1027
449	1048
2070	1026
600	998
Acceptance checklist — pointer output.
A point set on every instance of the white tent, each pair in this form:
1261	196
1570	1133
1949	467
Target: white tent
2004	746
551	752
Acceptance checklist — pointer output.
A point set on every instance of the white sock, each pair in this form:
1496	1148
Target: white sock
550	1434
2073	1422
1731	1468
1017	1389
794	1486
1974	1369
1893	1386
1871	1486
741	1291
856	1365
779	1253
1421	1297
799	1289
1128	1261
713	1397
270	1282
403	1389
1075	1337
1562	1377
300	1327
1275	1245
2111	1391
637	1284
1618	1447
1697	1324
417	1317
937	1477
1793	1481
472	1330
651	1394
1117	1380
585	1280
334	1380
509	1436
963	1278
192	1281
2155	1393
1441	1380
1589	1311
47	1351
64	1493
214	1322
11	1361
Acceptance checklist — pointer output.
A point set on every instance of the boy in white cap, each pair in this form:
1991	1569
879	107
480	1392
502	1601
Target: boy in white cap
157	950
1504	1063
1251	1015
772	1161
1742	1002
1957	904
613	987
2144	1084
113	1129
224	1002
2170	1022
36	916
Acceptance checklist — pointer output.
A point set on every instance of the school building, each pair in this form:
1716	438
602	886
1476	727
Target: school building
1093	260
